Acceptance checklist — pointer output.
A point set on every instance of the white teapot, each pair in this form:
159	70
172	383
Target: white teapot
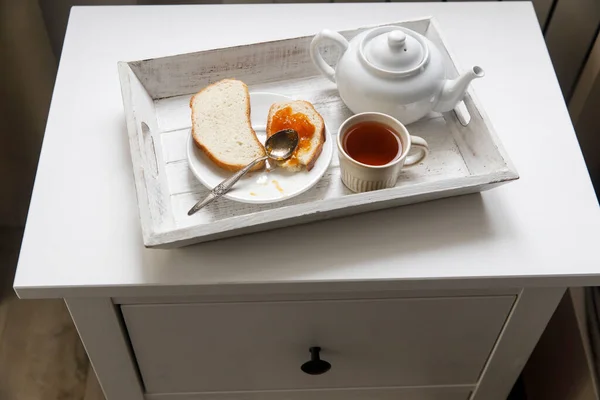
392	70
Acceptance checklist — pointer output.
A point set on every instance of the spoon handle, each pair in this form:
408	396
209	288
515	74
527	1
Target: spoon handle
224	186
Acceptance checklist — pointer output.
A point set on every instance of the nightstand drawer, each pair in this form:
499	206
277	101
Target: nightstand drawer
261	346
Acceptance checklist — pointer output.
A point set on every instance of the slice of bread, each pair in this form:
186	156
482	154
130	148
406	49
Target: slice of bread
221	125
309	148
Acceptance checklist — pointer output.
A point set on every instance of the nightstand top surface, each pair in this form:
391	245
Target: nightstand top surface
83	232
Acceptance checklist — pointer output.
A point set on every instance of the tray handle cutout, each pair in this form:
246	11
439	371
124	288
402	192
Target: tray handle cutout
462	113
149	149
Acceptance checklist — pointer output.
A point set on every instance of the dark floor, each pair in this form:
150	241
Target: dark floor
41	357
518	391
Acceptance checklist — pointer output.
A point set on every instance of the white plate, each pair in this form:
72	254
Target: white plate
262	186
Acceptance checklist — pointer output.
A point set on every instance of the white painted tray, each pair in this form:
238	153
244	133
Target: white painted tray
156	94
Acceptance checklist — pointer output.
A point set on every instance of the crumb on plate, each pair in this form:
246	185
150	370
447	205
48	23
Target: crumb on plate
277	186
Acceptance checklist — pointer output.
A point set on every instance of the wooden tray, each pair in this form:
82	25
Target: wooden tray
466	155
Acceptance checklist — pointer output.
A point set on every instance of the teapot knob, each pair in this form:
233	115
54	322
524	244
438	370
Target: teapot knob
396	39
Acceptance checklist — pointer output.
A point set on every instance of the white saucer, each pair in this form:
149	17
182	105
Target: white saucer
262	186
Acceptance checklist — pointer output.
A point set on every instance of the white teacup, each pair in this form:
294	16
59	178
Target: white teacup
360	177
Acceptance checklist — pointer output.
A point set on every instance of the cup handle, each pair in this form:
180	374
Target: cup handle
422	150
316	56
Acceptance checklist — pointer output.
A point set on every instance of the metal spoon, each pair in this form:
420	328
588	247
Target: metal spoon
279	146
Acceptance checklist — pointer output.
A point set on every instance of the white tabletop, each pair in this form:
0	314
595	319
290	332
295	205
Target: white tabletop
83	232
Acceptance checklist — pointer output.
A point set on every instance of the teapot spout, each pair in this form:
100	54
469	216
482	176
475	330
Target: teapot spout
454	89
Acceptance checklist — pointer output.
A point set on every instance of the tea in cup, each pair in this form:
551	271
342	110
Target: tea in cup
373	148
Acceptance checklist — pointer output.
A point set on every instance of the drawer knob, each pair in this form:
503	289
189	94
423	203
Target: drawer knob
315	366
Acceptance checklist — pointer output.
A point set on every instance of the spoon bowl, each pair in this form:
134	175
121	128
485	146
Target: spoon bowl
281	145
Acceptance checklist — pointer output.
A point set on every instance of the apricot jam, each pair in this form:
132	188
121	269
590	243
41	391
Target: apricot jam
285	118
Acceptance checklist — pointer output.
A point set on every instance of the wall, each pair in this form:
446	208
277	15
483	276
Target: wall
584	107
27	70
569	37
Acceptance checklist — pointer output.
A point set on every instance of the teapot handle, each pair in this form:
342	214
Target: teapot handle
316	56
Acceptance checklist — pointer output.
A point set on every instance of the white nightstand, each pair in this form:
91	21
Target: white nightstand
437	301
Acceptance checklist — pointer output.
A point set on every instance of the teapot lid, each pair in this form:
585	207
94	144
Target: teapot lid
394	50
